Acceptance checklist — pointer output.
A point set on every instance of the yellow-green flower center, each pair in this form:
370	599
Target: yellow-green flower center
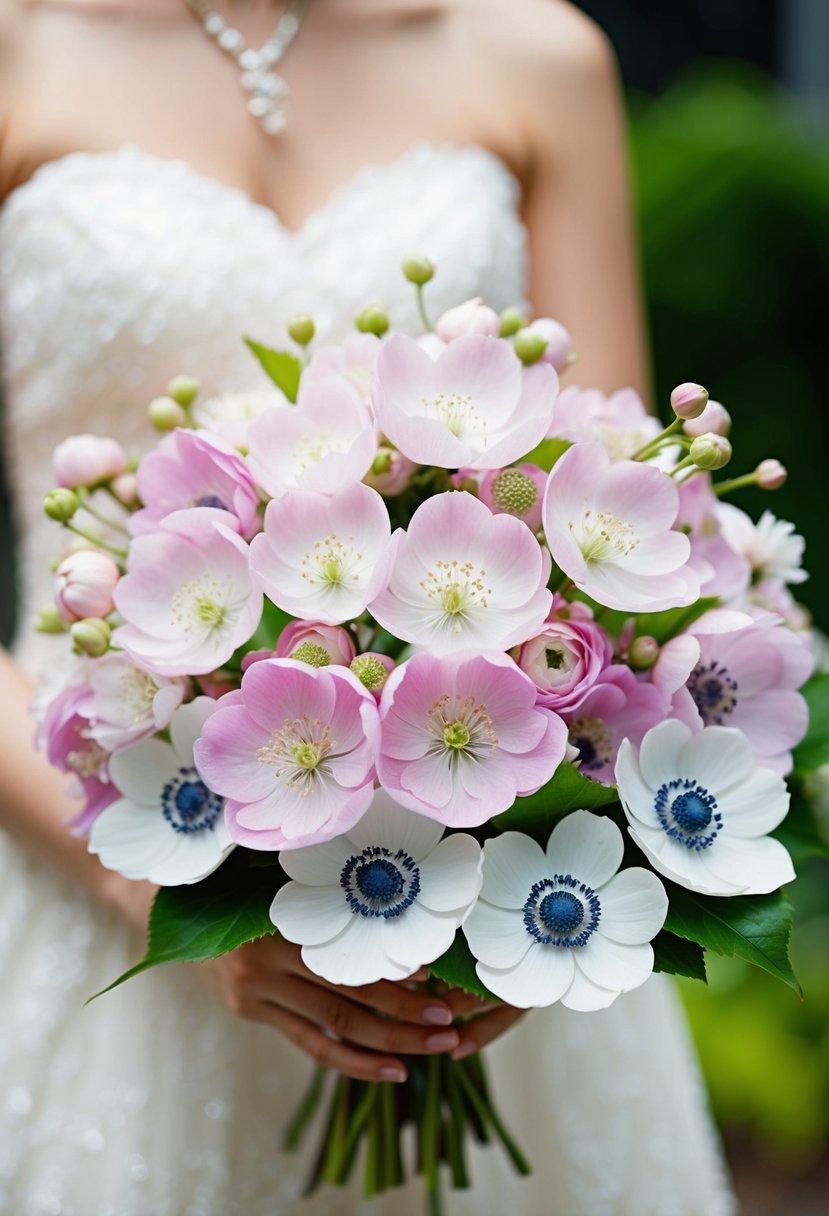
514	492
455	734
311	653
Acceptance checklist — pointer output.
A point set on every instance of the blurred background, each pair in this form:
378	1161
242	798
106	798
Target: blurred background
729	110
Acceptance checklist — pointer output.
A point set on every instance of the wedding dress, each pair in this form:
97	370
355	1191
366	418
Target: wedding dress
119	270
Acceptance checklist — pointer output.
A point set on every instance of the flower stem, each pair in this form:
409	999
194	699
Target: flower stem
305	1111
421	308
430	1128
94	540
735	483
102	519
685	463
651	448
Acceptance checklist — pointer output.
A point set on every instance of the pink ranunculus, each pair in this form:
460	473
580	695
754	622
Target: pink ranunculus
461	577
69	747
293	752
722	572
565	660
610	529
517	490
126	703
559	341
87	460
471	317
187	598
195	469
619	422
461	737
354	360
321	556
324	443
617	707
474	404
84	584
337	643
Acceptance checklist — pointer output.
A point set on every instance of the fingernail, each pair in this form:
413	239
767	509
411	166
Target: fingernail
392	1074
465	1049
442	1042
438	1015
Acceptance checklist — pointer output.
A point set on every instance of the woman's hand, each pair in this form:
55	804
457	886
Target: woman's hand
363	1031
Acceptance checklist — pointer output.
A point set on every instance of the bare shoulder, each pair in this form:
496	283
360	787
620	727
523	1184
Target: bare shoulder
11	32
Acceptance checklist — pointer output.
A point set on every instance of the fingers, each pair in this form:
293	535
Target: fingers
476	1033
361	1065
466	1004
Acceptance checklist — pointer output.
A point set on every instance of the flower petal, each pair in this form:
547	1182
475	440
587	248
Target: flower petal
541	977
450	877
513	863
634	906
589	847
310	915
612	965
497	936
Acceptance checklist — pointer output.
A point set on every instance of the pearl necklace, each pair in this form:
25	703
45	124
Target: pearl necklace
268	91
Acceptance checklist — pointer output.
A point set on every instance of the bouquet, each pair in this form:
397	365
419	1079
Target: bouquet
420	660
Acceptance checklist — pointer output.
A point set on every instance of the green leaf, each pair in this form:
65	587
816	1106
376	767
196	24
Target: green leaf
192	923
753	927
457	967
536	814
799	831
660	625
282	367
547	453
813	751
678	956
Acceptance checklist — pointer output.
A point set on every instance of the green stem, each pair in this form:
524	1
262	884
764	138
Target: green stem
305	1111
338	1133
735	483
685	463
421	308
392	1163
653	446
477	1086
455	1129
102	519
96	541
430	1126
372	1175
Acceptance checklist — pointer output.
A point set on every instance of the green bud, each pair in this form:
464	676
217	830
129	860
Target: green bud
511	321
710	451
49	620
529	346
381	463
301	329
644	652
61	504
418	270
372	320
369	671
183	389
166	414
91	636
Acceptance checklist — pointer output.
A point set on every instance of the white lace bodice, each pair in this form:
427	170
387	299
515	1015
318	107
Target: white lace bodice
119	270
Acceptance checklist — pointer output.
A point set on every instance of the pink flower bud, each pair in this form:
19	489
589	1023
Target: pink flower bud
714	419
390	472
84	584
125	489
644	652
87	460
689	400
771	475
472	317
316	644
559	349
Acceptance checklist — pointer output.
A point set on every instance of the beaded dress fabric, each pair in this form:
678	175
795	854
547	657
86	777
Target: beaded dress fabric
119	270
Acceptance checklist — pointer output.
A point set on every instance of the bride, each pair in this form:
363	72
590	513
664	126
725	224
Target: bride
149	219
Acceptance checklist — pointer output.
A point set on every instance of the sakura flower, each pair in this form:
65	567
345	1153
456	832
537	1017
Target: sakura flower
65	737
324	443
126	703
380	901
610	529
472	405
293	753
771	545
461	737
230	414
87	460
619	422
195	469
699	808
84	585
471	317
355	361
315	643
617	707
563	925
722	571
517	490
187	597
167	826
565	660
323	556
462	577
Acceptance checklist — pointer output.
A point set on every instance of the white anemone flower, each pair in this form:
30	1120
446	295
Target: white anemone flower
699	808
563	925
380	901
167	827
771	545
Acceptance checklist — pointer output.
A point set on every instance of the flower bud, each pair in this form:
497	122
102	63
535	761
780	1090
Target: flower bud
710	451
689	400
372	670
84	583
166	414
471	317
714	419
372	320
390	472
317	644
512	319
559	349
644	652
529	347
183	389
91	637
61	505
125	489
87	460
771	475
418	270
49	620
302	329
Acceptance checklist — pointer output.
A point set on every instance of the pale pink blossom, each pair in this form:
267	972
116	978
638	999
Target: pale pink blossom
565	660
617	707
610	529
461	577
471	317
230	414
714	420
461	737
391	472
559	351
188	598
293	752
354	360
517	490
87	460
619	422
337	643
473	405
722	571
126	703
64	735
321	556
84	585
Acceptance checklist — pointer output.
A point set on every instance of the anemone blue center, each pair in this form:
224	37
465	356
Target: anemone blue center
211	500
688	813
380	882
593	739
561	911
188	805
714	692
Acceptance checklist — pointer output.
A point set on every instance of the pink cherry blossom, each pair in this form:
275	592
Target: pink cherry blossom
722	572
565	660
196	469
188	598
517	490
126	703
68	746
337	643
323	556
473	405
461	577
619	422
471	317
293	752
610	529
84	584
324	443
230	414
617	707
461	737
354	360
86	460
